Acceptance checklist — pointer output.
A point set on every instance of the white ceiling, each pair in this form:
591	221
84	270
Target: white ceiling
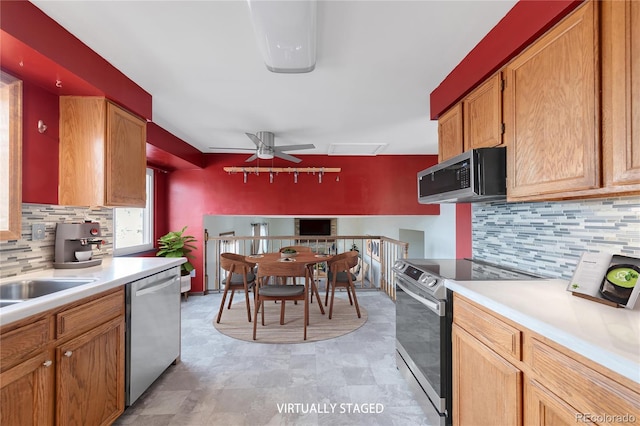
377	63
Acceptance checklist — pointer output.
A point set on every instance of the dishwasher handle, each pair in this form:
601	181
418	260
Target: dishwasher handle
157	286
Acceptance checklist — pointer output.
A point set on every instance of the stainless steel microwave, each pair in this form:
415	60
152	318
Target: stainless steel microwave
474	176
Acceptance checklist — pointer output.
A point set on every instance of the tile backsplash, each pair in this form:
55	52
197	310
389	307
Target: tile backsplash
26	255
547	238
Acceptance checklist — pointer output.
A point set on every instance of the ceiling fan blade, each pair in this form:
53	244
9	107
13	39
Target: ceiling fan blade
231	148
294	147
254	138
253	157
286	157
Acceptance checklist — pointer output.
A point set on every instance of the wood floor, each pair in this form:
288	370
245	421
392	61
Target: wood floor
225	381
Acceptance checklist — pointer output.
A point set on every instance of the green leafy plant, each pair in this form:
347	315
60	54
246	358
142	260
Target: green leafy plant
176	244
289	251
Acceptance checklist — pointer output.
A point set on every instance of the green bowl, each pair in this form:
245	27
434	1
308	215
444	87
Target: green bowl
625	276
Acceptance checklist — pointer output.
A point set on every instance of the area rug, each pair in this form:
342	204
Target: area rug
343	321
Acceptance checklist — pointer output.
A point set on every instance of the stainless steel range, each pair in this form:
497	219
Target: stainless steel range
424	314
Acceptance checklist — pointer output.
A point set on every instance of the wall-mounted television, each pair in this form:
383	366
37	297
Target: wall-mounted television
315	227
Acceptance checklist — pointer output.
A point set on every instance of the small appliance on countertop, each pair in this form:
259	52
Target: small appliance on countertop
72	238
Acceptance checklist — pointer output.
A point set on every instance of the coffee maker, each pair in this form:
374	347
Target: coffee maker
74	242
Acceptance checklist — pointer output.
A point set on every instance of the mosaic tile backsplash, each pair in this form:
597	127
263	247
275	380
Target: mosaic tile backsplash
547	238
25	255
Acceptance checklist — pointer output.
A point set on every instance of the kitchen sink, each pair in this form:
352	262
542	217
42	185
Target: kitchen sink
18	291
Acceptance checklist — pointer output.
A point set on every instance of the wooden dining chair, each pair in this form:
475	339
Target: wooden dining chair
240	276
278	292
339	275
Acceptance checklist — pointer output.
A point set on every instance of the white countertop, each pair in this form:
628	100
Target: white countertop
606	335
113	272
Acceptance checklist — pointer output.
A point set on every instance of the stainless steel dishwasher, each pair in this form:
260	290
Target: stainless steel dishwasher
153	329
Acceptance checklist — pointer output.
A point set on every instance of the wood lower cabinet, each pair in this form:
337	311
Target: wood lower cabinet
66	366
450	139
102	154
26	392
558	386
90	383
551	104
482	115
487	390
543	408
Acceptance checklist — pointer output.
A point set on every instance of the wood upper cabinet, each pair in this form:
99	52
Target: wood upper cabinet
450	140
621	92
551	105
482	115
102	154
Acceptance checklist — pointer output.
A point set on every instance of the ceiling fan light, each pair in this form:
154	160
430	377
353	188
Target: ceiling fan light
286	34
265	153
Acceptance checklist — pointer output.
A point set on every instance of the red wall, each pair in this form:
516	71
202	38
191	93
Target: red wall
376	185
380	185
39	150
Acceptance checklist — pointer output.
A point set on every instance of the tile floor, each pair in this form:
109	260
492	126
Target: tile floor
223	381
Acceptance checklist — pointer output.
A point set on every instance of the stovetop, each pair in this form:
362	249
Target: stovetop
430	274
467	270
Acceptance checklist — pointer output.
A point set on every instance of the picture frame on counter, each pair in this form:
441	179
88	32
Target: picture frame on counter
611	279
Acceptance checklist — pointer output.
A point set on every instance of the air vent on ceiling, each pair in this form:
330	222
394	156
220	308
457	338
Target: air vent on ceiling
356	148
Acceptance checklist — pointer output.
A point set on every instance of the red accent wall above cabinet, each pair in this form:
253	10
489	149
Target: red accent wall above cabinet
39	150
525	22
168	152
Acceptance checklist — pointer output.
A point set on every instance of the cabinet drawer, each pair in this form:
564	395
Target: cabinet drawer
89	315
17	344
583	388
490	330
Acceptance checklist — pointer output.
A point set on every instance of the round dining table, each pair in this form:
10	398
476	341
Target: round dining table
308	258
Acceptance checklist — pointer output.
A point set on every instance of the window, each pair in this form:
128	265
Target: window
259	245
133	227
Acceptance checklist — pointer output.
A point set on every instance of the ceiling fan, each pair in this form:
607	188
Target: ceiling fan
266	148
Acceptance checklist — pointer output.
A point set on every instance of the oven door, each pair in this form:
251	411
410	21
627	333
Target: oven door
423	340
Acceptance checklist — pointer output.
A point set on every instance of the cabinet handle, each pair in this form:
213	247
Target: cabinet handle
47	363
68	353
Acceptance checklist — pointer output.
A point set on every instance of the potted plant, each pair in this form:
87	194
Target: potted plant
176	244
288	253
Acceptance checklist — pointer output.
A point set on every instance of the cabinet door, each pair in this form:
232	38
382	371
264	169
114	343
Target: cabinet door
81	169
482	110
550	107
543	408
621	92
90	376
125	159
487	390
450	141
26	393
